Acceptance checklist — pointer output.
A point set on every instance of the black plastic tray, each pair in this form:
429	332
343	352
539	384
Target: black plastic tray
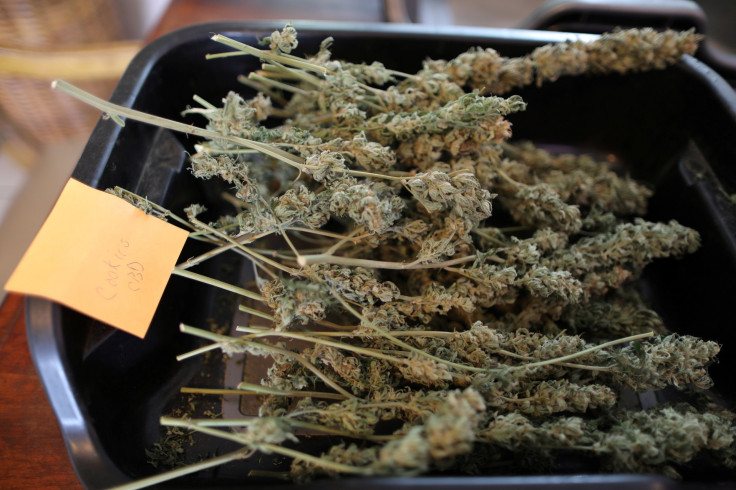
673	129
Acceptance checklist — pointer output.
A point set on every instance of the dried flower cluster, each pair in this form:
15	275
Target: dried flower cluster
455	291
622	51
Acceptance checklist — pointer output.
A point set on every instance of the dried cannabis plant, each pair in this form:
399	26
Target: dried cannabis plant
475	339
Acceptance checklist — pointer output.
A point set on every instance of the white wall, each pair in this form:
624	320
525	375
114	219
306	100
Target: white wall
138	17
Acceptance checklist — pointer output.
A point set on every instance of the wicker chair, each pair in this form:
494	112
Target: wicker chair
78	40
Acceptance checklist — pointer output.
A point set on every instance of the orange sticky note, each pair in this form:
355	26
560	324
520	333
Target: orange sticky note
102	256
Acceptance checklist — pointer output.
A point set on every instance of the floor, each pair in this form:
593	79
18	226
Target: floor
12	178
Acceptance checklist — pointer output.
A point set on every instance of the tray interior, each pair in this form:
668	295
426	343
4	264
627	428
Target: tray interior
666	128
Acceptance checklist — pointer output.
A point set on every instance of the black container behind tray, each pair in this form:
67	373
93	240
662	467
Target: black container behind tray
672	129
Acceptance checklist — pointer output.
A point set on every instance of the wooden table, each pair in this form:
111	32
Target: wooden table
32	450
33	454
